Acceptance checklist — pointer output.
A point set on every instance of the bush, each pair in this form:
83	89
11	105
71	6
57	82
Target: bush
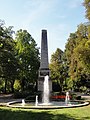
32	96
78	97
75	96
28	95
83	88
23	94
17	86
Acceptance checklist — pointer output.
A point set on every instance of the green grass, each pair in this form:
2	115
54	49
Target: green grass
82	113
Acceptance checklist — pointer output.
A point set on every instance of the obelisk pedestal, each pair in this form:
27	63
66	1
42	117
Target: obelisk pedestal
44	65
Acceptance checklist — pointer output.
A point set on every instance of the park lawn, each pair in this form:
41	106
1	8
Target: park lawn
81	113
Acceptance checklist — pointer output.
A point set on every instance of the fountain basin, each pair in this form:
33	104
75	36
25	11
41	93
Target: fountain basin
52	105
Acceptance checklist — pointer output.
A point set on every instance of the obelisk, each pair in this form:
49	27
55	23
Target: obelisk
44	51
44	64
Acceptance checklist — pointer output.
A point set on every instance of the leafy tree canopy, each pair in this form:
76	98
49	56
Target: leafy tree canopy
28	55
86	3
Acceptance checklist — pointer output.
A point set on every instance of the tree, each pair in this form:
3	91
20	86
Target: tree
8	63
77	54
28	56
86	3
58	69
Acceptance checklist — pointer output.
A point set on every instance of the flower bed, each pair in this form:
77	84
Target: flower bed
56	97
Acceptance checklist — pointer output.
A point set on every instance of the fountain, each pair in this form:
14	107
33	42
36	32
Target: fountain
45	98
23	102
44	73
46	92
46	104
36	101
67	99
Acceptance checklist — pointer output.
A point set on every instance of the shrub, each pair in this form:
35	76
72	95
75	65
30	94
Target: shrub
17	86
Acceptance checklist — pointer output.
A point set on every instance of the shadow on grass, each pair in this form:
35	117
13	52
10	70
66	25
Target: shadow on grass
10	114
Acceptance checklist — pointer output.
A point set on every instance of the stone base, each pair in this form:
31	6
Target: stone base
42	73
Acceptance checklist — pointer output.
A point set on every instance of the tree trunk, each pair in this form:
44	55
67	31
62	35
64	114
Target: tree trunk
22	84
12	84
5	91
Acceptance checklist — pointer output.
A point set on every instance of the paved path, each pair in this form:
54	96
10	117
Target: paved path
87	97
4	99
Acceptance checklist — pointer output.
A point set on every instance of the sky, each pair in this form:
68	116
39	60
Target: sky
58	17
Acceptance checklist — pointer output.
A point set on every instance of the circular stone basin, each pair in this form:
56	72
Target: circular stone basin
52	105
